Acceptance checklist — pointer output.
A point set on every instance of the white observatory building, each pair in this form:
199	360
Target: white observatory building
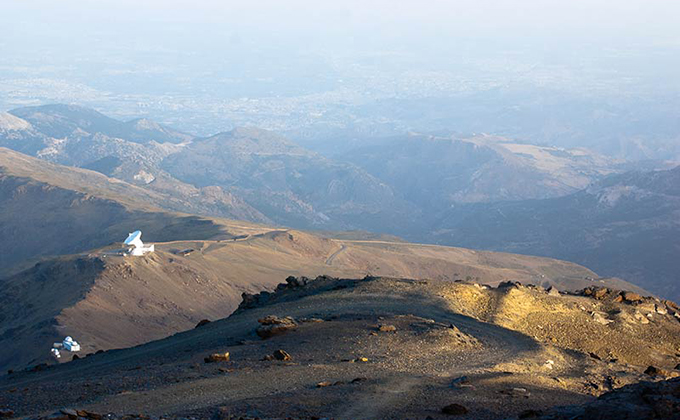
135	245
68	344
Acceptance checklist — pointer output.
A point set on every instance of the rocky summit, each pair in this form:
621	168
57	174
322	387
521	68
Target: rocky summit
384	348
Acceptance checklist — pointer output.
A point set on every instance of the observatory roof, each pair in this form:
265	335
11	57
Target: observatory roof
133	236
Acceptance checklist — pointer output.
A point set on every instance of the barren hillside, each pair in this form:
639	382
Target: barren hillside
109	301
375	348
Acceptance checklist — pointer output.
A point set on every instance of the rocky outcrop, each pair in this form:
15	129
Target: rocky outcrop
643	303
273	325
641	401
249	301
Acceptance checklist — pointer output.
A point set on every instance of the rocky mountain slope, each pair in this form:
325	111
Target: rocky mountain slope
109	301
48	209
626	225
377	348
294	185
247	173
440	171
394	185
418	187
60	121
199	269
129	151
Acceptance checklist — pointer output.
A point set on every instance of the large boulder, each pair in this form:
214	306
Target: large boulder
217	357
273	325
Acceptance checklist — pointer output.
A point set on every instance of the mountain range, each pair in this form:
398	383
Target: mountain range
626	225
223	319
66	273
391	185
448	190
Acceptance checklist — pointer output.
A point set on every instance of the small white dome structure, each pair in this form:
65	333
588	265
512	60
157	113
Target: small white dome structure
70	344
137	247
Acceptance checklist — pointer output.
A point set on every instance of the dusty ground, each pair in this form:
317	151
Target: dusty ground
500	339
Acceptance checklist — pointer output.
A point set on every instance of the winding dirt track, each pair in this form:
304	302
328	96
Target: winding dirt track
329	260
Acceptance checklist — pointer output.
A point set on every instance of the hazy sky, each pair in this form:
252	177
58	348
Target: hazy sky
647	20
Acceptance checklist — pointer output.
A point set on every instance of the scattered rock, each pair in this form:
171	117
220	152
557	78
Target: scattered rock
202	323
357	380
217	357
324	384
641	318
454	410
516	392
594	356
600	319
296	282
647	307
361	359
598	293
273	325
311	320
282	355
655	371
552	291
631	297
387	328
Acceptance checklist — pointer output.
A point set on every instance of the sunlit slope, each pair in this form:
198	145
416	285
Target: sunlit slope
125	301
48	209
496	351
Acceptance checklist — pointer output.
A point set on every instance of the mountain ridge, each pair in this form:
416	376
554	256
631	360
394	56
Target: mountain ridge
625	225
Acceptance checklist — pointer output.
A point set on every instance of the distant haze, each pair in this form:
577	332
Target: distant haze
601	74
